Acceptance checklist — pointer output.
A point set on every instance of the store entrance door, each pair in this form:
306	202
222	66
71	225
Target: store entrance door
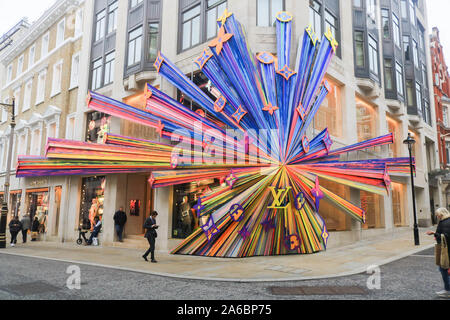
138	204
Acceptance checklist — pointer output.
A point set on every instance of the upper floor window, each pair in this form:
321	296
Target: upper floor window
191	28
409	93
109	68
385	23
424	75
97	67
388	74
57	76
399	78
20	66
74	74
215	8
415	54
78	22
135	46
267	11
153	41
359	49
9	73
406	48
445	116
396	30
357	3
40	92
371	9
331	23
315	17
44	47
419	98
27	95
16	95
60	32
100	25
404	9
373	56
134	3
31	56
412	13
112	16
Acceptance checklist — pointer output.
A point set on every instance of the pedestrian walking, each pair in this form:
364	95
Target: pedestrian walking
35	228
443	229
151	226
120	218
14	227
26	225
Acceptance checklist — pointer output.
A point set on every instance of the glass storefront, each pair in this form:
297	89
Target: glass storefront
15	198
398	207
92	198
329	114
335	219
36	204
184	218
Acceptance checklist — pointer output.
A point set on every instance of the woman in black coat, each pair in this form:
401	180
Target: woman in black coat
443	228
35	228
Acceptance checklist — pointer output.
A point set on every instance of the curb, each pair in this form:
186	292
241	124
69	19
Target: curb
169	275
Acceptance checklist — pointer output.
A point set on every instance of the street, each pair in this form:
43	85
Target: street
21	278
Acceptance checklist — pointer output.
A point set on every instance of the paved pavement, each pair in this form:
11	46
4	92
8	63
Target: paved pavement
25	278
335	262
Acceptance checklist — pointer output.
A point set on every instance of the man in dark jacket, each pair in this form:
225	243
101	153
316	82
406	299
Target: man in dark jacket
120	218
26	225
14	227
151	226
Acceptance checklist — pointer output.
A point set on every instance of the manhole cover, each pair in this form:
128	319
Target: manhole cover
30	288
329	290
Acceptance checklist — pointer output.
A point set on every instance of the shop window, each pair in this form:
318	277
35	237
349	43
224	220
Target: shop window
97	125
330	112
92	198
36	204
398	204
366	120
371	203
267	11
14	202
335	219
184	217
394	127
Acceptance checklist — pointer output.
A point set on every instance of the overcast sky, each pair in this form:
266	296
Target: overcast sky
11	11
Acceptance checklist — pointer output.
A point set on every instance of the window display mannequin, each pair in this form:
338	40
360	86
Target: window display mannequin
93	212
186	216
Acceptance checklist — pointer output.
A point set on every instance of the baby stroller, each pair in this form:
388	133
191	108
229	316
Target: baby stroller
82	235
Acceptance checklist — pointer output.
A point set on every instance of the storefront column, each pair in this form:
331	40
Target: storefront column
112	189
163	205
355	198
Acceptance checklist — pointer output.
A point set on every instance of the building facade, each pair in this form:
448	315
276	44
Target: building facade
441	85
40	71
380	80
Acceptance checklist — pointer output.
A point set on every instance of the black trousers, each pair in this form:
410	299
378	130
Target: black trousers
14	236
24	235
151	250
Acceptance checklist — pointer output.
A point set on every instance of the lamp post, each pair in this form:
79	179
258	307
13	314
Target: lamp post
410	142
4	208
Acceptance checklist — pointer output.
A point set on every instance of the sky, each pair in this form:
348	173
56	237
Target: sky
11	11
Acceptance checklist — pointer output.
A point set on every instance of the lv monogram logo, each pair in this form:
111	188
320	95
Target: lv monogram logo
279	197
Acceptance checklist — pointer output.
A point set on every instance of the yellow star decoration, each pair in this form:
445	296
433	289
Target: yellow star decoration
222	37
334	43
224	17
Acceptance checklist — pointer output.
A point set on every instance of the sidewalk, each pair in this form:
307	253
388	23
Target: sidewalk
335	262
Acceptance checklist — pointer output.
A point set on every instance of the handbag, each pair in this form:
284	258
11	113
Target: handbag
444	261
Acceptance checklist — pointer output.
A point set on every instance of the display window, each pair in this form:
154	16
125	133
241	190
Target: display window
36	204
394	127
335	219
14	202
98	124
398	204
185	219
366	120
329	114
92	198
371	203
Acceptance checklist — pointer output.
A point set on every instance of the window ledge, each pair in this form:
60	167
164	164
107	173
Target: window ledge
55	94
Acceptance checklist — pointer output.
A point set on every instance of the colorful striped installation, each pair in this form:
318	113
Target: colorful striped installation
252	139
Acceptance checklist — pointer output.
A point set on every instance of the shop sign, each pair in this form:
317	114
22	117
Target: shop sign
38	182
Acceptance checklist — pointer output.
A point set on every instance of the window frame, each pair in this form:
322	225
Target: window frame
130	40
111	64
372	52
60	33
399	76
272	15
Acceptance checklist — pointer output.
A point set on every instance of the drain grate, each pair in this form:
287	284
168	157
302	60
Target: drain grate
30	288
322	290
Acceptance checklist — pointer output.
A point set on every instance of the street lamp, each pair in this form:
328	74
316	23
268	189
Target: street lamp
4	209
410	142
